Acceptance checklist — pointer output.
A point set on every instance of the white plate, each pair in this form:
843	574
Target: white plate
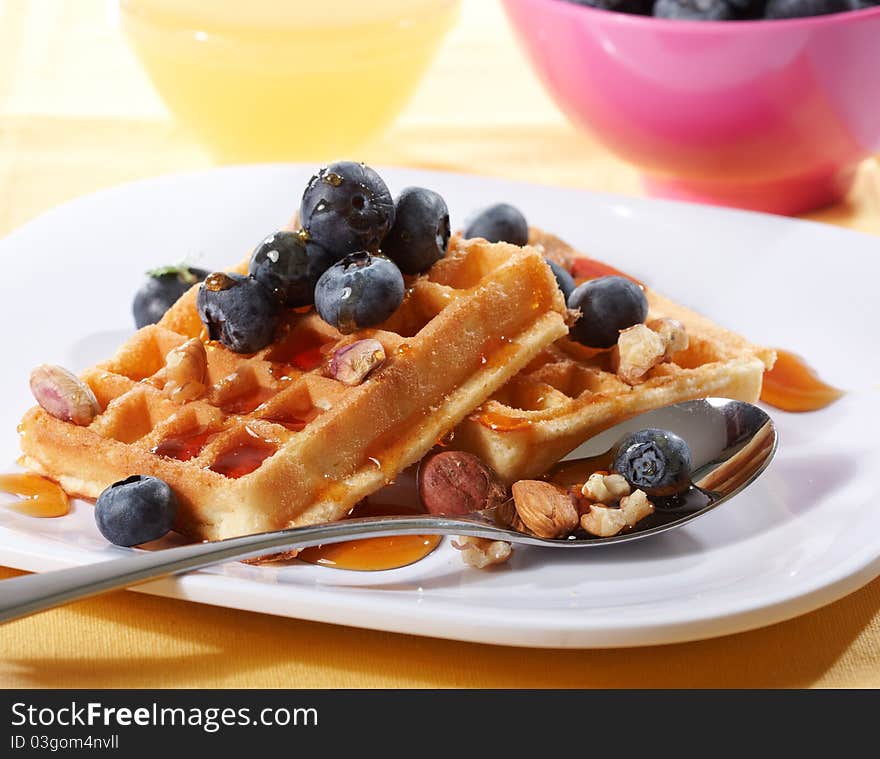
803	536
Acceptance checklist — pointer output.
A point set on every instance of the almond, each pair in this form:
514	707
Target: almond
546	510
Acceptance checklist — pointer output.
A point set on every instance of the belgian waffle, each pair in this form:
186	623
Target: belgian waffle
273	442
569	393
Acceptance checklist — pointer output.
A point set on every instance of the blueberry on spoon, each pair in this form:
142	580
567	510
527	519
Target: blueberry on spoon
655	461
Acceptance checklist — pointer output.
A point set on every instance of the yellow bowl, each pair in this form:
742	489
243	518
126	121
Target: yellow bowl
269	80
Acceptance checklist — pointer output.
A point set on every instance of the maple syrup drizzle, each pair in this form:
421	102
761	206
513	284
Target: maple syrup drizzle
40	497
244	457
374	554
791	385
247	402
302	354
185	447
583	268
501	422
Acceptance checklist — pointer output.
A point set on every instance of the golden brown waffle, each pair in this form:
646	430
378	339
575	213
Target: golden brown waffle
570	393
275	443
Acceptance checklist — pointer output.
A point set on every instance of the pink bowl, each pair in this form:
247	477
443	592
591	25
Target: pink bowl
769	115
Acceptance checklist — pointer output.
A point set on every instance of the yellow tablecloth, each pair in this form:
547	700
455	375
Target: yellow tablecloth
77	115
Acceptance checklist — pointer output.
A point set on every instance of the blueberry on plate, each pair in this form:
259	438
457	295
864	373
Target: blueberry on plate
161	291
608	305
136	510
798	8
499	223
695	10
641	7
362	290
653	460
346	208
238	311
563	278
288	264
420	235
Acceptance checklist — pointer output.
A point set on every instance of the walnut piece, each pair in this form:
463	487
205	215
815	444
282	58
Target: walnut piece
603	521
605	488
185	370
639	350
545	509
481	552
635	507
673	333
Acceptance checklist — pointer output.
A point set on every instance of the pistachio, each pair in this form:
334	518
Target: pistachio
64	395
351	363
185	369
455	482
548	511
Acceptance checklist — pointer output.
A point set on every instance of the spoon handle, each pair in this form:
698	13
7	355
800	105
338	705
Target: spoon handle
21	596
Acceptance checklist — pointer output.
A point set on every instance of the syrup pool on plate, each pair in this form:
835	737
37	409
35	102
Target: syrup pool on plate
40	497
791	385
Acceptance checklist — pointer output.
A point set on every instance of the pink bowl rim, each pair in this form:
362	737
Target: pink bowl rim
698	27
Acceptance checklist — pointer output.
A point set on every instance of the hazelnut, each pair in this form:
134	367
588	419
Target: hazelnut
481	552
64	395
546	510
351	363
455	482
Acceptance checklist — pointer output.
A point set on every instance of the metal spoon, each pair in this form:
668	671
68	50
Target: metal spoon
731	444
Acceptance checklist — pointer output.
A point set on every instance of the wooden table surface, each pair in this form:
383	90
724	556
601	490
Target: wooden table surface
77	115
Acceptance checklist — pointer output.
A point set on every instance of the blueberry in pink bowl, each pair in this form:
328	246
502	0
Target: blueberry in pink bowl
770	115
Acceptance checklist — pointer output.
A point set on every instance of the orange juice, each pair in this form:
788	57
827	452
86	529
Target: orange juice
267	80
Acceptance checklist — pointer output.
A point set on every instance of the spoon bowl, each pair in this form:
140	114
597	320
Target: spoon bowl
731	442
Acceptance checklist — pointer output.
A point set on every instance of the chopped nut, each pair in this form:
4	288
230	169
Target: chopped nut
636	507
351	363
639	349
602	521
64	395
605	488
673	333
544	509
185	370
481	552
455	482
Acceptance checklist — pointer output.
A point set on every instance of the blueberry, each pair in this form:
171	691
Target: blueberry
420	235
499	223
608	305
289	265
641	7
563	278
362	290
238	311
797	8
656	461
136	510
346	208
161	291
695	10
